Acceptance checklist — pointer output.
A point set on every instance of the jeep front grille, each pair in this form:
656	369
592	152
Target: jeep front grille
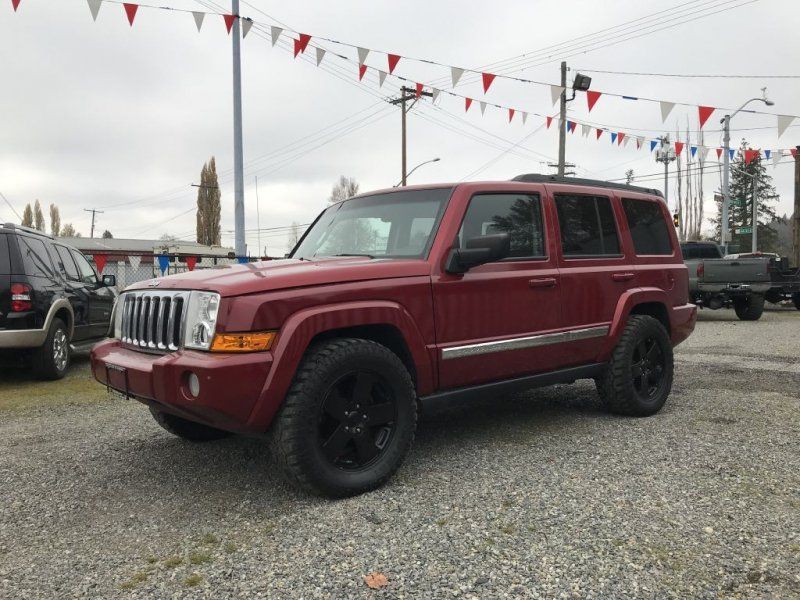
153	320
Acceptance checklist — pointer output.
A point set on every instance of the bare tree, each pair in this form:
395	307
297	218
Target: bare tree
208	205
38	217
629	177
345	188
69	231
55	221
27	216
294	236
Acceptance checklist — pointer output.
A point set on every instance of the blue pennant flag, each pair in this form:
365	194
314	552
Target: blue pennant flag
767	153
732	153
163	263
653	144
613	137
694	150
241	259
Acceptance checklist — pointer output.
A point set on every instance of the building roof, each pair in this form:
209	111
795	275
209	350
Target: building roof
120	245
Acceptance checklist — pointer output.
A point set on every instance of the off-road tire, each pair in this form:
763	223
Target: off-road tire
616	386
295	435
187	430
749	308
44	362
796	300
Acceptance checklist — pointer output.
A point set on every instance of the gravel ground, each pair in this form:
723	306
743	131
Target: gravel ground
536	495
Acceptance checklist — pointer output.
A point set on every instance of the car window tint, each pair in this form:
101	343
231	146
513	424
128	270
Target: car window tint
648	226
35	259
5	259
587	225
67	263
87	272
518	215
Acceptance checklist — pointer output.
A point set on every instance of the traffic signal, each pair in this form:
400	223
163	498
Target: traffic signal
676	220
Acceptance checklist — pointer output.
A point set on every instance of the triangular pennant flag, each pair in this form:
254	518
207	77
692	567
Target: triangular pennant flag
666	108
198	18
455	74
571	125
320	54
793	151
191	261
776	158
549	121
732	153
435	94
275	33
592	98
620	137
678	148
510	114
130	11
524	117
362	70
229	23
598	133
767	153
639	142
362	55
719	153
653	144
703	153
488	78
163	263
15	4
381	77
693	150
303	41
555	92
467	104
100	262
783	123
704	112
625	141
613	136
749	155
94	7
393	60
296	47
246	25
418	90
483	107
585	130
134	260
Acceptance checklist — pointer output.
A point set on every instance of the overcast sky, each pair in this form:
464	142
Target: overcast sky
118	118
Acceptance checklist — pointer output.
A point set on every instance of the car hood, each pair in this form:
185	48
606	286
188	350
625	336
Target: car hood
248	278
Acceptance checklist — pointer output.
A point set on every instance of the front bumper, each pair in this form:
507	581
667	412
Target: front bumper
230	384
682	321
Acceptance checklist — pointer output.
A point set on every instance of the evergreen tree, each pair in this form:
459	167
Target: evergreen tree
209	207
38	217
55	221
27	216
107	235
745	178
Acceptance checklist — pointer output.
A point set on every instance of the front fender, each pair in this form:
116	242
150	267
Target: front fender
300	328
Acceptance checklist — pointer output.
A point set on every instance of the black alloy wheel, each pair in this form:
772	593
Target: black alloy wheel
647	369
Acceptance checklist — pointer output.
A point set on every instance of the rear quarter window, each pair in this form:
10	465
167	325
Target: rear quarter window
5	259
648	227
587	226
35	259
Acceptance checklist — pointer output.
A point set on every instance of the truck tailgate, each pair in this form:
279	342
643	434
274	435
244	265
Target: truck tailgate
738	270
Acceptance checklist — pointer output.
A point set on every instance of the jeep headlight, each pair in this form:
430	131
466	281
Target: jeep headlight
201	320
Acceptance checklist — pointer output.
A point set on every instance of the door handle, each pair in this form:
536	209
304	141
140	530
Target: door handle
623	276
543	282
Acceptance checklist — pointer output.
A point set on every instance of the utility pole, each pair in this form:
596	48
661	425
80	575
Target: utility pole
238	163
406	94
562	123
796	219
93	211
666	155
258	217
754	218
726	191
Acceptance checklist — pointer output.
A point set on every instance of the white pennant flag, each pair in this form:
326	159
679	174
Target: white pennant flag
455	74
435	94
362	55
625	141
555	92
783	122
275	32
134	259
483	107
198	19
703	150
381	77
320	55
94	7
246	25
666	108
639	142
524	117
585	130
777	155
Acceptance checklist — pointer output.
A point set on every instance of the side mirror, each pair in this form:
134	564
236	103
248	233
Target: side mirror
479	250
109	280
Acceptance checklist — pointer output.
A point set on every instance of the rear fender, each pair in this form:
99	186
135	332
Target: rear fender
627	302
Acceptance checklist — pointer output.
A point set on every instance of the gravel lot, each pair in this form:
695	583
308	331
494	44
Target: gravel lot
536	495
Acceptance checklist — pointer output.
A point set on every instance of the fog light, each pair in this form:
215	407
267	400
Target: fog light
194	385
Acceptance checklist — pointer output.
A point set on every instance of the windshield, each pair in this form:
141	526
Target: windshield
391	225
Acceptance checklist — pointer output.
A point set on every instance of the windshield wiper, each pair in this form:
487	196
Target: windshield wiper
346	254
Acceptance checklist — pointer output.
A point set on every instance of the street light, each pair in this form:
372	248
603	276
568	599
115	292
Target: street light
726	164
433	160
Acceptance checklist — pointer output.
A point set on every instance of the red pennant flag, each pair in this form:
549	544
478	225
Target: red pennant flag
467	104
678	148
488	78
229	23
620	137
719	153
100	262
419	90
362	69
591	98
510	114
749	155
549	121
638	143
191	261
704	112
393	60
130	10
599	133
296	46
304	39
794	151
15	4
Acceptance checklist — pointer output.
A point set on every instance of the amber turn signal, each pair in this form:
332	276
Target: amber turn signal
252	341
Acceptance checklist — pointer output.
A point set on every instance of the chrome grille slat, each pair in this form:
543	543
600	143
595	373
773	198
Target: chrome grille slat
152	321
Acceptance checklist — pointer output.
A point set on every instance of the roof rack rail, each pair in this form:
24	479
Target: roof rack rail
540	178
26	229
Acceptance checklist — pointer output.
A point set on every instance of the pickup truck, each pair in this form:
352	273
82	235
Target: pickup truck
716	282
398	298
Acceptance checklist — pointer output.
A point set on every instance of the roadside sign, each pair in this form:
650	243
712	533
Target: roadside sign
743	230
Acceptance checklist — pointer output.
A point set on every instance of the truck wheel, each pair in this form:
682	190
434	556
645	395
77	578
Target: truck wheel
796	300
51	361
348	420
188	430
638	379
749	308
773	296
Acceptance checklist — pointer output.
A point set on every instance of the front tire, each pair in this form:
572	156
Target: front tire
638	379
348	420
51	361
187	430
749	308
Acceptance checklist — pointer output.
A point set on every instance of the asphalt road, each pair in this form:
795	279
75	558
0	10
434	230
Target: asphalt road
537	495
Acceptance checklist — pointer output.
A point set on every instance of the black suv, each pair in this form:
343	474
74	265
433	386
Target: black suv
51	300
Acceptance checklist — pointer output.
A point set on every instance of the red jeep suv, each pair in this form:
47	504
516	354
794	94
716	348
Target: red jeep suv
399	297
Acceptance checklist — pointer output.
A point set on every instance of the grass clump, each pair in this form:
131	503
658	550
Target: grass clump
200	558
135	580
193	580
173	561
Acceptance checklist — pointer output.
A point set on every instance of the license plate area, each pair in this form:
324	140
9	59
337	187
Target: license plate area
117	381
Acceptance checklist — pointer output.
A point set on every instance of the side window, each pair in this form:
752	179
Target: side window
587	225
35	259
519	215
648	227
87	272
69	265
5	259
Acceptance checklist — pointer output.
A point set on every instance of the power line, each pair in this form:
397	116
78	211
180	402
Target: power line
690	76
11	206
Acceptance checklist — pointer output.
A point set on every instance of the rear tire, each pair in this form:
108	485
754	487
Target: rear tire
638	379
749	308
51	361
187	430
348	420
796	300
